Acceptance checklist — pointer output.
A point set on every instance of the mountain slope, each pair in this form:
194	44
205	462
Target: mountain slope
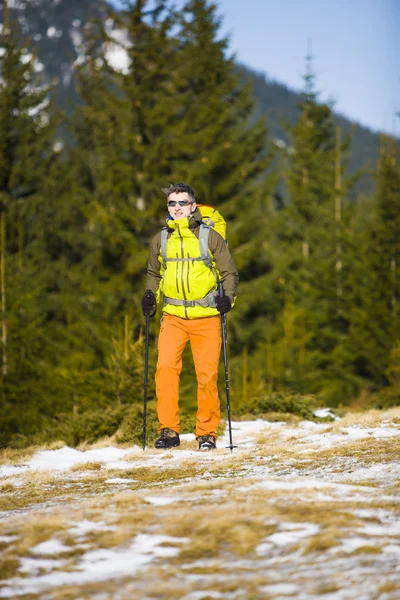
56	29
276	101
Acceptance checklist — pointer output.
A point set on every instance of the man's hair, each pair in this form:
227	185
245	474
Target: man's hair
180	188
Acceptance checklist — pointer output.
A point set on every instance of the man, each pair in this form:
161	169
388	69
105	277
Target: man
191	312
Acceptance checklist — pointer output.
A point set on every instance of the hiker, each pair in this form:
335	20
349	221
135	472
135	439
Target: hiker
187	279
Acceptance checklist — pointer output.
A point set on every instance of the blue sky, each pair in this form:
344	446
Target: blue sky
356	45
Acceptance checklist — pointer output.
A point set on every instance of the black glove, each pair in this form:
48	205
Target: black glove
223	304
149	303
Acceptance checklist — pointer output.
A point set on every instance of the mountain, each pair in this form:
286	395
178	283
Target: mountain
56	28
276	101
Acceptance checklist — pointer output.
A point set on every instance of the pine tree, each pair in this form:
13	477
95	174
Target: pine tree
26	133
174	110
120	132
375	319
224	154
309	248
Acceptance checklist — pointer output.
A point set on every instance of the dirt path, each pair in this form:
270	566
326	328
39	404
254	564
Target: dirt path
298	510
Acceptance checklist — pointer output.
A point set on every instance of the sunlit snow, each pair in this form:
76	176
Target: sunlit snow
358	486
100	565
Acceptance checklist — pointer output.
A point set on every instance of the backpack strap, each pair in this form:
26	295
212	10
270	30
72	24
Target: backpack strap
164	237
207	302
203	239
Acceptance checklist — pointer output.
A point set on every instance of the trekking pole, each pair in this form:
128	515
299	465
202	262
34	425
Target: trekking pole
146	377
224	343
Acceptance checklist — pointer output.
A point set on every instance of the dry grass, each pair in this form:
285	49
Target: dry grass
87	466
222	507
15	456
370	418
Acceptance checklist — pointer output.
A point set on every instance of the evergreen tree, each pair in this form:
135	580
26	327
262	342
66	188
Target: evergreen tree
223	153
310	311
120	132
26	133
375	320
173	110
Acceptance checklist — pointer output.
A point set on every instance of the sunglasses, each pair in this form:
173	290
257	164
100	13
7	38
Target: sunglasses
180	202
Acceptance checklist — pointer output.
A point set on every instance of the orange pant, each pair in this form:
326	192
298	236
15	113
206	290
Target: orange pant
205	341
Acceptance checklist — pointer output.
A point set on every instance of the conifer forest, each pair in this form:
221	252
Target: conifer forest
317	317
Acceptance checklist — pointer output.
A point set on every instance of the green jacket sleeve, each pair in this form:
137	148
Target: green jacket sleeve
154	267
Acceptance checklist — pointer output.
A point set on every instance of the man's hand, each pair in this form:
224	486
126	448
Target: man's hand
149	303
223	304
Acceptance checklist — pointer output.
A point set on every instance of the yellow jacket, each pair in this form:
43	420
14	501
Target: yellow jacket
186	282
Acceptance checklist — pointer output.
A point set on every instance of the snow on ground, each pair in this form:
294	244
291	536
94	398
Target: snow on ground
301	510
99	565
244	435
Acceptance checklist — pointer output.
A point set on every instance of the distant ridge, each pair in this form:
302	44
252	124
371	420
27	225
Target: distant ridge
277	101
56	29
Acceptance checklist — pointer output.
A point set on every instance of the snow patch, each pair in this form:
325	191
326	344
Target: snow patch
6	539
379	473
203	595
322	413
161	501
99	565
392	549
8	470
32	566
50	547
374	529
287	589
185	437
352	544
82	528
291	534
65	458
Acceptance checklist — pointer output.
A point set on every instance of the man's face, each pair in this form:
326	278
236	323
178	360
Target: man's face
178	212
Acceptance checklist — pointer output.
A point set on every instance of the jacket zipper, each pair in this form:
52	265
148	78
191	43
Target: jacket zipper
177	269
188	263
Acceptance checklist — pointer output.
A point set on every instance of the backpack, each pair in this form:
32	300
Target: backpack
212	219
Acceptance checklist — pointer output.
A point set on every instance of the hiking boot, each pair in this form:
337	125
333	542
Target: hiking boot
168	439
207	442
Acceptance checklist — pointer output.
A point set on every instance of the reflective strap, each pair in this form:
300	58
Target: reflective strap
203	239
206	302
183	259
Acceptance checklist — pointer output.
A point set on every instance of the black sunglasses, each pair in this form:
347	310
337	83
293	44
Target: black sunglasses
180	202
